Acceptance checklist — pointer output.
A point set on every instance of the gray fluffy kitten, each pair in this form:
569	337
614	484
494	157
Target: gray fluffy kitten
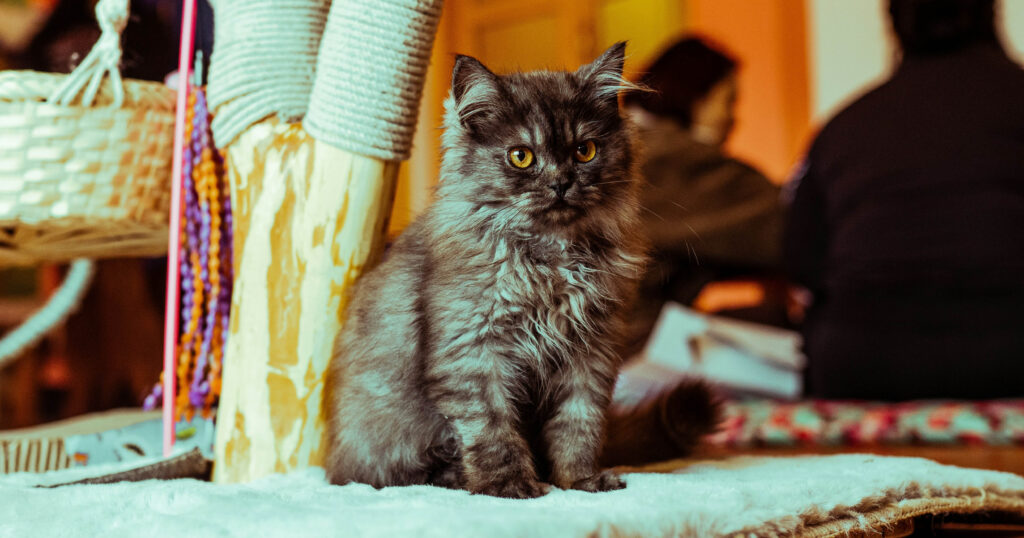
482	353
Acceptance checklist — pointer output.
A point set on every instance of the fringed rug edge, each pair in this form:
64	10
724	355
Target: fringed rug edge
884	513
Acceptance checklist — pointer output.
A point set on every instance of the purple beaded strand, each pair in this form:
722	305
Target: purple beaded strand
200	382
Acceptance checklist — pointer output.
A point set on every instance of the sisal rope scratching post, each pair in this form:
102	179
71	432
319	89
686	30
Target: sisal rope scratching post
264	62
311	204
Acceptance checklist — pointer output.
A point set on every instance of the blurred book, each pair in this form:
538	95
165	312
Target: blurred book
740	357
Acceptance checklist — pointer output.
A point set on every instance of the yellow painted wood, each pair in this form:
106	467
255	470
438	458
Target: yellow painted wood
309	218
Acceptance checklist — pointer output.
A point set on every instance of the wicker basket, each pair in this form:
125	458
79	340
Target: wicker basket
83	181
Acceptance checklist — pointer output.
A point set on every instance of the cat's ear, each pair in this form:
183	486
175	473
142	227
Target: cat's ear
474	89
604	75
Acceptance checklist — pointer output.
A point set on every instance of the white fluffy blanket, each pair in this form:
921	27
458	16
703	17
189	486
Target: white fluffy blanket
764	496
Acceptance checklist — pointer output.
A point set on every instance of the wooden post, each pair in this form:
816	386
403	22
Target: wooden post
296	257
308	217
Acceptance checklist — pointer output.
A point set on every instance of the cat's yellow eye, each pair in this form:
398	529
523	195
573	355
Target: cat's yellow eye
520	157
586	151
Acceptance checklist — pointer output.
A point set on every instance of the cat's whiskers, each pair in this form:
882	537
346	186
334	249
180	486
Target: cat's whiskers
695	234
610	182
651	211
684	208
692	252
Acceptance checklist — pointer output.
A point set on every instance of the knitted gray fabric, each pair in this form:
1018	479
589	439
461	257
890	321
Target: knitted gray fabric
264	61
370	74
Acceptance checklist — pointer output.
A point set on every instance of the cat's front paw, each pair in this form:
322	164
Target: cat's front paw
602	481
512	488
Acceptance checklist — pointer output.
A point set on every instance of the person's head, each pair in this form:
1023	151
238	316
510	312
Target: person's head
927	27
695	85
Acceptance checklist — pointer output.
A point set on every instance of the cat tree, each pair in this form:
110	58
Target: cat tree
315	104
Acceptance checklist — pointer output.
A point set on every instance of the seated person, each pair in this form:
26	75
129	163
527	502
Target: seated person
708	215
907	224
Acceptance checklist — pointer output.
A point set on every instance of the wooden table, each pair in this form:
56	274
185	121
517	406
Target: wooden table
998	458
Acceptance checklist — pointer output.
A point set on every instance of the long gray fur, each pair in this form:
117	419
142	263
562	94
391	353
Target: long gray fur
481	353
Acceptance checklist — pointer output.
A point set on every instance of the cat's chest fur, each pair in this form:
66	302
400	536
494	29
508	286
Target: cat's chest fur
543	299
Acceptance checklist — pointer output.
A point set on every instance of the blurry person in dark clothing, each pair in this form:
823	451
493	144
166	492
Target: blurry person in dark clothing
149	42
907	224
709	216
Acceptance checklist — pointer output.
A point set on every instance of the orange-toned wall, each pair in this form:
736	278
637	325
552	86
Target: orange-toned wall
769	39
418	175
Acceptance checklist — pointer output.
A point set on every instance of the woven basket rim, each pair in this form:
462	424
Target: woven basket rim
43	137
36	87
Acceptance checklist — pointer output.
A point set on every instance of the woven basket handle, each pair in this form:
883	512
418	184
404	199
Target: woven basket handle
104	58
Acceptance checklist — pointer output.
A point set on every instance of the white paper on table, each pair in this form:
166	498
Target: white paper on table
740	355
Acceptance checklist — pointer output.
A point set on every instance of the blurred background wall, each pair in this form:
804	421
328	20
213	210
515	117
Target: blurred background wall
850	48
800	61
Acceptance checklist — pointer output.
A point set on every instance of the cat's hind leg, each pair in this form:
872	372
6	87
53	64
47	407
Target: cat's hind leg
380	428
380	439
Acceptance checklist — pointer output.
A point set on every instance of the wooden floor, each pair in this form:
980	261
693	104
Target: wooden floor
1008	459
998	458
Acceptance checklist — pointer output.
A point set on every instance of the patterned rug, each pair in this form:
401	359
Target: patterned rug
776	423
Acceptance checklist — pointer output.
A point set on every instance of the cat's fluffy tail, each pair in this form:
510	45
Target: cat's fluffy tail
665	427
